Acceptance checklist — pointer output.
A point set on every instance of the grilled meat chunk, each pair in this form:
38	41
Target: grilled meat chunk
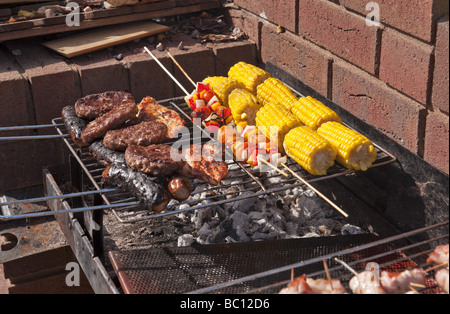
201	164
153	159
150	110
179	188
145	188
144	134
93	106
109	121
74	125
105	155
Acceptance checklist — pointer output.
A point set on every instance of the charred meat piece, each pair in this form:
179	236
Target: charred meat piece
111	120
201	164
105	155
150	110
93	106
144	134
74	125
145	188
153	159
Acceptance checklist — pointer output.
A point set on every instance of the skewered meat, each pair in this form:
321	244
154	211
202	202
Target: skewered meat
145	188
304	285
442	279
93	106
400	283
150	110
439	255
144	133
201	164
105	155
179	188
153	159
109	121
366	283
74	125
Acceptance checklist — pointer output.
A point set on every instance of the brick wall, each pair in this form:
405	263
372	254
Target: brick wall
393	76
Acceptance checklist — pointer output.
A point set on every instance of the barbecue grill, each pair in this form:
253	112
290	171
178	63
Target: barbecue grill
253	267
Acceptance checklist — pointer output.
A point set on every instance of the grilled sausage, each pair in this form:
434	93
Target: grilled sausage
74	125
179	188
105	155
146	189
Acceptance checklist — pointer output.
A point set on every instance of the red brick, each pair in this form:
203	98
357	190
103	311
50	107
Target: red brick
416	18
440	98
372	101
146	76
405	64
437	141
282	13
298	57
246	22
100	72
53	82
228	54
13	99
341	32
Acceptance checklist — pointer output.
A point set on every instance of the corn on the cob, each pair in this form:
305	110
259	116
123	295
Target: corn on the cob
251	76
222	86
313	113
244	106
275	121
314	153
354	151
275	91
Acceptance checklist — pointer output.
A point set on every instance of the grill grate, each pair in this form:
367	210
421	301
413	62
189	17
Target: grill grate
243	182
265	267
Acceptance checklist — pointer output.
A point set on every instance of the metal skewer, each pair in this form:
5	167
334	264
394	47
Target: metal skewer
317	192
48	198
181	69
167	71
64	211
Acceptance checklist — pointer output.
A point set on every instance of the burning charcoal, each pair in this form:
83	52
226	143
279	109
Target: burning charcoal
244	205
349	229
220	233
185	240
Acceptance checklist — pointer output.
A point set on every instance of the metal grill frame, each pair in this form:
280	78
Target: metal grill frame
254	182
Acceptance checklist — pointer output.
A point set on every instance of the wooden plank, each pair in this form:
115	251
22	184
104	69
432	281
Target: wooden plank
104	19
79	44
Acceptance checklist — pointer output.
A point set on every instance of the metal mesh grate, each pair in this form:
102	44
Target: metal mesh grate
265	267
185	269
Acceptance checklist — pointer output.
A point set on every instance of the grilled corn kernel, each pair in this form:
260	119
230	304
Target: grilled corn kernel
314	153
354	151
244	106
275	121
313	113
275	91
251	76
222	87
